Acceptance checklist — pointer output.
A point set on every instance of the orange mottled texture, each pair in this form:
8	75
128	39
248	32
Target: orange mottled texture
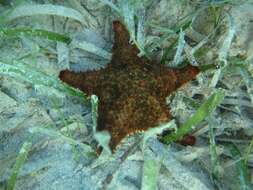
131	90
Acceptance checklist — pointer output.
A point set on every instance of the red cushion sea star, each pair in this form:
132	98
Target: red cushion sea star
131	90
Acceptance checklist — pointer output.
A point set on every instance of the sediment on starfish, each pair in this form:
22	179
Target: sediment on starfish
131	90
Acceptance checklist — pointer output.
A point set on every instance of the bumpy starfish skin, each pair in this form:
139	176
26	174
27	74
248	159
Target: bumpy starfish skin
131	90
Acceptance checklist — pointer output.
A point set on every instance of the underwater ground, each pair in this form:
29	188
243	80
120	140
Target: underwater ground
126	94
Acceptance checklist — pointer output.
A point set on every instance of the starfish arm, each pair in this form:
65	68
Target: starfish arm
172	79
185	75
121	35
122	49
85	81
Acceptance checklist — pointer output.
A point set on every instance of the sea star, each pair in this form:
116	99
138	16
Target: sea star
131	90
